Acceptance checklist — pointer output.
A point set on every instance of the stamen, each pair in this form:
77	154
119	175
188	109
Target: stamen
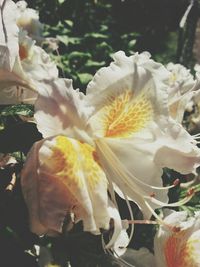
152	194
142	222
181	202
158	218
176	229
112	156
191	192
196	135
188	184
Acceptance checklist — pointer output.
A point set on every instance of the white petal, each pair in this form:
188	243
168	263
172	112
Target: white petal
60	109
180	79
114	214
125	72
29	20
177	150
66	179
121	243
127	95
8	34
136	178
178	107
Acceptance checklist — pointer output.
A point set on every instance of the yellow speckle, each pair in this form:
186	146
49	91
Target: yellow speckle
91	166
124	115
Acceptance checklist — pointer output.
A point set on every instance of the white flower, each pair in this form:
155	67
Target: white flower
181	77
28	20
182	89
119	132
24	64
179	247
176	243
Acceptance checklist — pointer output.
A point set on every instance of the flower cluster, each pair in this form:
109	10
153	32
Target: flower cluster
115	139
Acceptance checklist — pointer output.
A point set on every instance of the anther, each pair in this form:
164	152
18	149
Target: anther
176	229
176	182
152	194
191	192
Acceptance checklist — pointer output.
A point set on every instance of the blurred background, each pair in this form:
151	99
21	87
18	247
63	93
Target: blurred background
90	31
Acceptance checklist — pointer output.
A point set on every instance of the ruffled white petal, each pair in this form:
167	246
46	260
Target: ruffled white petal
177	149
180	79
136	74
62	177
61	110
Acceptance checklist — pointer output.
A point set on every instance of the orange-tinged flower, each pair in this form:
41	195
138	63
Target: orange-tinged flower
181	246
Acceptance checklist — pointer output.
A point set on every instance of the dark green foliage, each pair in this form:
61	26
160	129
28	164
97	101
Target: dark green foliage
19	137
91	31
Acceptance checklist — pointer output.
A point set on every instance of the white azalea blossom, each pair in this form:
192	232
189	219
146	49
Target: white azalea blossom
119	132
28	20
178	248
183	88
31	64
180	76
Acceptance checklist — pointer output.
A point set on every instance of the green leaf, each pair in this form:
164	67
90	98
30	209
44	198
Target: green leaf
96	35
70	23
66	40
95	64
20	109
77	54
61	1
85	77
131	44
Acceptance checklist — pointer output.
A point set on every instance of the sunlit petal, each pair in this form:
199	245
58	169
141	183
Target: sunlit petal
127	96
60	109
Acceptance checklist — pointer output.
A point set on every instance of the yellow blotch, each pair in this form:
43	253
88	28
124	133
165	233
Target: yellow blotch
64	162
180	251
73	161
125	115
